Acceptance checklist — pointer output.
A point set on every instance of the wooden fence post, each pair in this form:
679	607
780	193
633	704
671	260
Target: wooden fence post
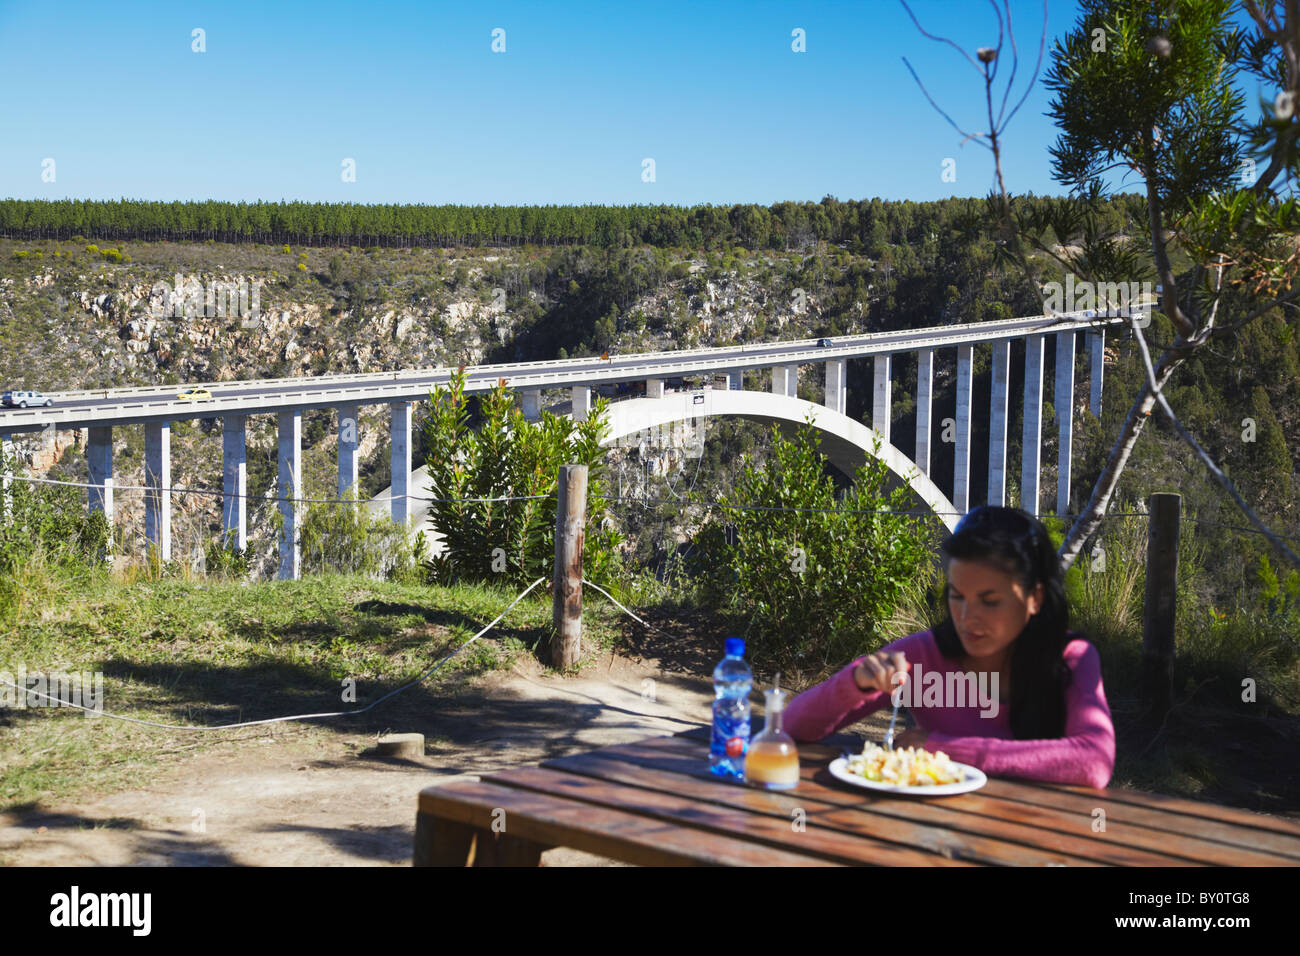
570	520
1160	612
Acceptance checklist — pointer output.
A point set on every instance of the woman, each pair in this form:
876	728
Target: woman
1043	715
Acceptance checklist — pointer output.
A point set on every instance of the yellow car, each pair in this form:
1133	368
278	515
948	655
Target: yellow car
194	394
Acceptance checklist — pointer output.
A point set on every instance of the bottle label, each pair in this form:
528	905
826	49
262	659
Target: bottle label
730	727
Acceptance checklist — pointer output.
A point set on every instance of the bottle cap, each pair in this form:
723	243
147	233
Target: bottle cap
735	647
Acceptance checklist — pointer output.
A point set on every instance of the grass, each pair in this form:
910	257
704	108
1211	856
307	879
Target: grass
192	651
1213	744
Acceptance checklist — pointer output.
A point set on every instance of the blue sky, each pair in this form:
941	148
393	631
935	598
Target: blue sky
584	92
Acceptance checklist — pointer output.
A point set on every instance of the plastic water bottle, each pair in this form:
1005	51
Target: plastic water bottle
732	682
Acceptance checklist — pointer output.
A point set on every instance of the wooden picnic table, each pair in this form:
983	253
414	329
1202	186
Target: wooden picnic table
654	802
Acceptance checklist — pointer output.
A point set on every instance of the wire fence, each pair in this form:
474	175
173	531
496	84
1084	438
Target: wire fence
682	501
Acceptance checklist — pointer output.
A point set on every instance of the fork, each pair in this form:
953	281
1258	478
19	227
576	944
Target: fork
889	737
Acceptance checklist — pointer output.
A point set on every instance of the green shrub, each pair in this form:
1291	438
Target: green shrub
1279	599
51	518
812	579
507	456
352	539
221	561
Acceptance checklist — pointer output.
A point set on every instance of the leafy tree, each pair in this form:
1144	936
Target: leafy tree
1269	462
1150	88
1162	102
607	328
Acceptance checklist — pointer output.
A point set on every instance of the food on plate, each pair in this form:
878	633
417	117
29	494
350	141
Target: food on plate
912	767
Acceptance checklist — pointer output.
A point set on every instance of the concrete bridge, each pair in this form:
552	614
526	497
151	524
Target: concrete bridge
845	440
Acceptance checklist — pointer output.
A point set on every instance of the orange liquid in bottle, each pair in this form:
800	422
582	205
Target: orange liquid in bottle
772	765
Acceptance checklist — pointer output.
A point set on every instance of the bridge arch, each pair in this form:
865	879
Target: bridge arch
845	442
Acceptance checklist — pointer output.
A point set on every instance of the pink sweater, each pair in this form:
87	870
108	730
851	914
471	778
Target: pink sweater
1084	756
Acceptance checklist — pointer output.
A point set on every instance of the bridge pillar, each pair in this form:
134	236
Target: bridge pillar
401	461
735	379
836	391
998	425
1096	364
532	398
99	456
785	380
1064	403
289	426
158	480
581	403
924	394
234	481
882	395
961	453
6	477
349	445
1031	436
654	388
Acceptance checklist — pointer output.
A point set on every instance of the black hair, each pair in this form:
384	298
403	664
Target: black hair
1018	544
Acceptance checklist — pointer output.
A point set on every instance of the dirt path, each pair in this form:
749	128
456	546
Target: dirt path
311	795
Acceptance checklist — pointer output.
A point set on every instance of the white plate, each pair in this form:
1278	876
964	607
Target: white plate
974	780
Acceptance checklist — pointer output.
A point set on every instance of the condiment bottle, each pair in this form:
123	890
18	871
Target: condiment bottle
773	760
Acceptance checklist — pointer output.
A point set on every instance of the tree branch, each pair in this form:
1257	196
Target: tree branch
1042	45
939	39
1281	300
1168	282
974	136
1215	470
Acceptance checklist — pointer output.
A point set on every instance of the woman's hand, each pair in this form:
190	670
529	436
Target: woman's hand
876	671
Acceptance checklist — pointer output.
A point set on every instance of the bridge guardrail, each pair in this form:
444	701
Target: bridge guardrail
592	370
844	344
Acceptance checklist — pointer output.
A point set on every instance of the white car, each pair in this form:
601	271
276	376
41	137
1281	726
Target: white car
23	399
